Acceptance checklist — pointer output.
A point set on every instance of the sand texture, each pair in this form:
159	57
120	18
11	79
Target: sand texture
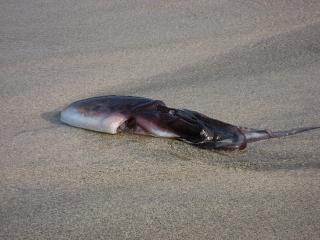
250	63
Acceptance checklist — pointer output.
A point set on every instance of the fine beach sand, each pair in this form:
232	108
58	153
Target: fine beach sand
250	63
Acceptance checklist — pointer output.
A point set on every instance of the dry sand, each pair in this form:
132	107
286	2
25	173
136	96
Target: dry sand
251	63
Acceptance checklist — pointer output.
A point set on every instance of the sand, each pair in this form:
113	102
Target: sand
250	63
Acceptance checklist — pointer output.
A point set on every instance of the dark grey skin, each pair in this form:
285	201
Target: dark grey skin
113	114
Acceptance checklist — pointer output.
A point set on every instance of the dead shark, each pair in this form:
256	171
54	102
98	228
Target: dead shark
113	114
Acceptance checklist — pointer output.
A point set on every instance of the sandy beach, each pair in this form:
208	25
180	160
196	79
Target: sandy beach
250	63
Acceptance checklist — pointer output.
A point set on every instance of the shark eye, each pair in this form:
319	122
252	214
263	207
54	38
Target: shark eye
204	134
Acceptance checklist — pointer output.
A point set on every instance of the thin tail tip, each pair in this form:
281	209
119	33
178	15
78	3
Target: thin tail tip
253	135
292	131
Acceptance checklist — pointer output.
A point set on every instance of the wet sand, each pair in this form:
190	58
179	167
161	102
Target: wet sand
250	63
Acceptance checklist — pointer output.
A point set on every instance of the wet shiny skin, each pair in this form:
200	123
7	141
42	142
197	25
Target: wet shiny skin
112	114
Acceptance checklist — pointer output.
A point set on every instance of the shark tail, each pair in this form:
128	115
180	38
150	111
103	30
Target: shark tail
253	135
